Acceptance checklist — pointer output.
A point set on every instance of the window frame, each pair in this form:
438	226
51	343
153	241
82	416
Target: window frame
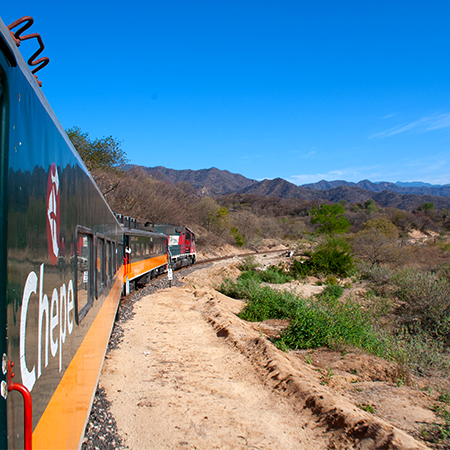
81	313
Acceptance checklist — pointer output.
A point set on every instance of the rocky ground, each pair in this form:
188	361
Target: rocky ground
201	378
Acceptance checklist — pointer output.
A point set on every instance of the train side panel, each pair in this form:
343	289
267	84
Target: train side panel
64	265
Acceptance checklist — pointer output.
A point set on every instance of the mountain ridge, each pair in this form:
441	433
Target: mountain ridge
215	182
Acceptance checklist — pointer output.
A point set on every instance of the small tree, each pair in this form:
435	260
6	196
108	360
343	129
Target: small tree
103	154
370	206
330	218
426	207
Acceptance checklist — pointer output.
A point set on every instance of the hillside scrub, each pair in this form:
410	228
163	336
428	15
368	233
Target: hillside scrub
322	321
417	341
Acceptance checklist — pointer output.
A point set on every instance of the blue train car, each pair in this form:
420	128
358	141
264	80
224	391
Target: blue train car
61	269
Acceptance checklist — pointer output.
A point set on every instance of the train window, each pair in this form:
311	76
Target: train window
114	257
119	256
100	265
108	261
84	273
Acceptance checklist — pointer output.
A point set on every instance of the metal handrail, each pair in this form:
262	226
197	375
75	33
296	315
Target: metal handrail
41	62
27	406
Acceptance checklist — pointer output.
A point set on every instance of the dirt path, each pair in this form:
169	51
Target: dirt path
190	375
175	384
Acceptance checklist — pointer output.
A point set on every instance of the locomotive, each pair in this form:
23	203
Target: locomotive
63	267
181	242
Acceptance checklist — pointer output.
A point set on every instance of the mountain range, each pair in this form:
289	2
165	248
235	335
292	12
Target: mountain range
215	182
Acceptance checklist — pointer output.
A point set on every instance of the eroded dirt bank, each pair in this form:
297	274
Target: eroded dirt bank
189	374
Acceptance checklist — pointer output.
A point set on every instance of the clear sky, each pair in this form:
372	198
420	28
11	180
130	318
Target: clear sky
302	90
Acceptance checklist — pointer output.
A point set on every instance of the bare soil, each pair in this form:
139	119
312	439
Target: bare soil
189	374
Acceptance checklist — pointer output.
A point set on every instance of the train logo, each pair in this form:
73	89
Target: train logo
53	214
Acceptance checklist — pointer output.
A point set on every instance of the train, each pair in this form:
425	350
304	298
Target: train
181	243
66	261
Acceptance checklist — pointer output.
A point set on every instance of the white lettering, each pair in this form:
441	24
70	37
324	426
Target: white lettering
54	320
59	311
70	305
62	321
43	308
28	378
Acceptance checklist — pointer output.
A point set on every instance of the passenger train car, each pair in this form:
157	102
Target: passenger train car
61	269
146	253
65	261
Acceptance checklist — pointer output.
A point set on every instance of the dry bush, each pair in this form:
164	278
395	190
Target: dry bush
426	301
270	227
357	219
247	224
374	246
384	225
294	228
137	195
428	257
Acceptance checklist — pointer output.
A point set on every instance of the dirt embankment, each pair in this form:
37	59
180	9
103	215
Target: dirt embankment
190	374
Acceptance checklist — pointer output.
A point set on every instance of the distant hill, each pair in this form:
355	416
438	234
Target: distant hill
416	188
207	181
215	182
417	184
350	193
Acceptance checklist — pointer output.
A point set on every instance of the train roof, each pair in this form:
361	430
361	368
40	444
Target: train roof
168	228
137	232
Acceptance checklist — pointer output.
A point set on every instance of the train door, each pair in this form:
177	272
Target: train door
3	255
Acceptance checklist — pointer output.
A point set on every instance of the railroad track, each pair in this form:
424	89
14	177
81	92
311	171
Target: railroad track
241	255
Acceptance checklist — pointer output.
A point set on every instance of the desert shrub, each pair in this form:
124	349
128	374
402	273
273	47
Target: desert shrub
331	292
243	288
300	269
443	271
332	257
274	275
331	324
419	352
380	274
264	303
376	247
426	301
384	225
238	239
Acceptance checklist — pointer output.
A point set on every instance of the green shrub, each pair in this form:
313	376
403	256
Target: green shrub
331	292
329	260
274	275
241	289
300	269
238	239
265	303
331	325
332	257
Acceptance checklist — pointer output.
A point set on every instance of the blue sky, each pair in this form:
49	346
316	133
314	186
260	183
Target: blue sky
300	90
